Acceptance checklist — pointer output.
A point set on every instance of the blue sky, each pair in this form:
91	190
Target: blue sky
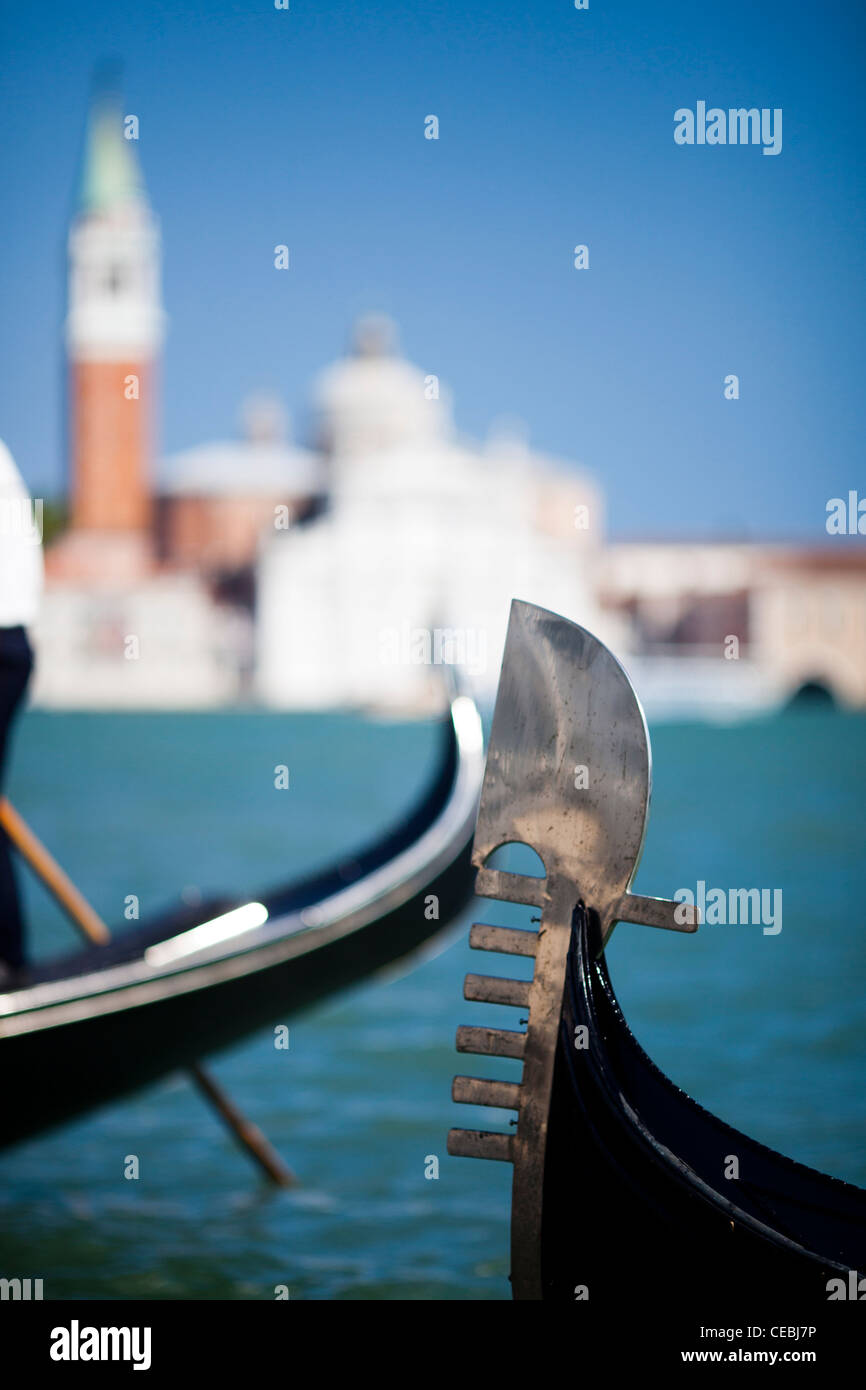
556	127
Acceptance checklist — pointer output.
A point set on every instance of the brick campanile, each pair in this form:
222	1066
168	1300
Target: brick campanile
114	332
111	446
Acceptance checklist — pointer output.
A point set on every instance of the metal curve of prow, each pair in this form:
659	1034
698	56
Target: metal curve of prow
568	773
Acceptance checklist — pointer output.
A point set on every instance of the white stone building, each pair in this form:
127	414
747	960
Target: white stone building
426	541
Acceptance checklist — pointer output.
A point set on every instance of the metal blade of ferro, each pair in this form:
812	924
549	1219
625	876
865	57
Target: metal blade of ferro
568	773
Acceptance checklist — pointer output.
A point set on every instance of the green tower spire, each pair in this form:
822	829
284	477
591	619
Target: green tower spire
111	173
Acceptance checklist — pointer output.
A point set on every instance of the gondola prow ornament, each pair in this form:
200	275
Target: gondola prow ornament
568	773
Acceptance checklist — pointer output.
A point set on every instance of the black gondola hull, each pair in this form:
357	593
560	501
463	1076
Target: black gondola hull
49	1078
636	1198
100	1024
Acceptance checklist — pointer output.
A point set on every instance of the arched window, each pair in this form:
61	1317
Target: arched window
812	694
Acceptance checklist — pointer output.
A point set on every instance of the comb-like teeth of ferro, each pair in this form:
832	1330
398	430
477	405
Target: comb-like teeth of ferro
494	1042
509	941
491	1042
474	1090
478	1143
510	888
493	989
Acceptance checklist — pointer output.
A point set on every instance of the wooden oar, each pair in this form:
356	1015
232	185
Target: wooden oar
47	868
31	848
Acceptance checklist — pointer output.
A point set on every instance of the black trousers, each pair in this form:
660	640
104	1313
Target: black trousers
16	663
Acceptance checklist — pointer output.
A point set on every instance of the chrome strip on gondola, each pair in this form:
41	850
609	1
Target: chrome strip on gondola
143	981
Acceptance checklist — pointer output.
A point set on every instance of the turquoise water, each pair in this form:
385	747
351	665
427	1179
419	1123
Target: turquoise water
767	1031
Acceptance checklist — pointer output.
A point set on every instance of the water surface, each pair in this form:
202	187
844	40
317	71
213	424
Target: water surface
767	1031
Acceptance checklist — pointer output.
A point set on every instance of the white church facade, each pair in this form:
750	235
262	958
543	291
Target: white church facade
424	543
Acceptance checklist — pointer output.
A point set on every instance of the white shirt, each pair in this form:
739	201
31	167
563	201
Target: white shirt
20	547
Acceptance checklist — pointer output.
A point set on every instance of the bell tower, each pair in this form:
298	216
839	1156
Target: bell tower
114	331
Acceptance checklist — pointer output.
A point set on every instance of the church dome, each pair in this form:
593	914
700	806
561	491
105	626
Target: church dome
263	464
374	399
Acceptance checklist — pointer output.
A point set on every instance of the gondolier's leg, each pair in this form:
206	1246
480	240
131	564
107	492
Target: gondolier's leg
16	663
